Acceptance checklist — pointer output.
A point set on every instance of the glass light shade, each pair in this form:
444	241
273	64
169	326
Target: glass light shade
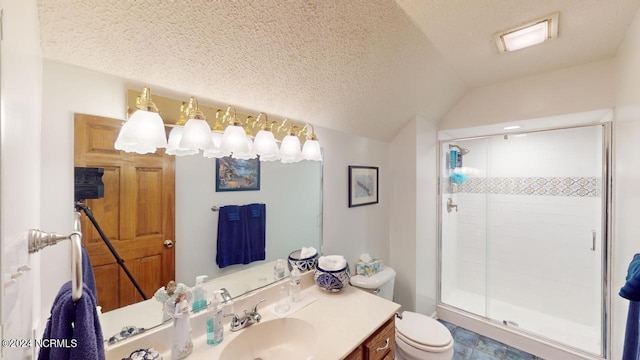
234	140
290	149
265	145
196	135
173	146
143	133
311	151
251	154
215	151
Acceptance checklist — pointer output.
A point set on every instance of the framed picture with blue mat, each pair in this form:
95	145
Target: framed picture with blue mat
363	185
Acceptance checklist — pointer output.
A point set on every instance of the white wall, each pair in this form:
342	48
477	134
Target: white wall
412	216
402	216
426	216
363	229
571	90
20	114
626	174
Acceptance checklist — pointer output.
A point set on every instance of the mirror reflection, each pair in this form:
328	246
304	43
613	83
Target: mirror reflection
292	194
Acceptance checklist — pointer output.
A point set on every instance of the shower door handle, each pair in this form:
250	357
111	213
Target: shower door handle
593	240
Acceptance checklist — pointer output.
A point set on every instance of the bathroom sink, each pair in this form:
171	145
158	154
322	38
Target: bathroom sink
280	339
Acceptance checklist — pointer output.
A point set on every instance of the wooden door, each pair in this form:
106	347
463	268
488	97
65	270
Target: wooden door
136	213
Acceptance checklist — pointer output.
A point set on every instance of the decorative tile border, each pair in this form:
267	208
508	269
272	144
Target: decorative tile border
549	186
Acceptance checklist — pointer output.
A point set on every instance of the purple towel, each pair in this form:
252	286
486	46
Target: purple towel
73	329
87	273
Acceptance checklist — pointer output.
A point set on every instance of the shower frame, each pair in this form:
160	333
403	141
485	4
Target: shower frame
503	332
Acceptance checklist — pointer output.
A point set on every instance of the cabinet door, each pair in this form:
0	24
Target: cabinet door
355	354
381	345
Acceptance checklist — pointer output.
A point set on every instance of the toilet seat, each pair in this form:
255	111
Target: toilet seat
423	333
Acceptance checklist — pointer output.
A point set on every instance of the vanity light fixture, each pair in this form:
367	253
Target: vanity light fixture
511	127
234	139
216	136
529	34
251	154
197	133
175	136
144	132
264	142
311	148
290	147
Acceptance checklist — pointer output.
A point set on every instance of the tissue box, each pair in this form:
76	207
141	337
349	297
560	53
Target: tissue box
370	268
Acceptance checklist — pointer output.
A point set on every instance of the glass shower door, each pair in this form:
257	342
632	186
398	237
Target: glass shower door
522	232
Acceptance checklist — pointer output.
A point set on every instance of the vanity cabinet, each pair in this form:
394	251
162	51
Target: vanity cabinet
379	346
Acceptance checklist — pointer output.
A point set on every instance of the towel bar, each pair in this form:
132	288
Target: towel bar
40	239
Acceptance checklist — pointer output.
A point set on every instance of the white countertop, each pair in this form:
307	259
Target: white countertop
342	321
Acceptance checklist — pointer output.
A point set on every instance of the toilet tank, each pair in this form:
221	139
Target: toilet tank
380	283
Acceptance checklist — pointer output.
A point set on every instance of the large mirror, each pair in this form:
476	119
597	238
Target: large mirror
292	194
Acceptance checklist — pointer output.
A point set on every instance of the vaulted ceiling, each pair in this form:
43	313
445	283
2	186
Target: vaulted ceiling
362	66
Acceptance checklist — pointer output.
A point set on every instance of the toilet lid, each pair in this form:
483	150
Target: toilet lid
423	329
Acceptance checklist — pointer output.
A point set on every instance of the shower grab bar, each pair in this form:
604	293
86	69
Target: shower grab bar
593	240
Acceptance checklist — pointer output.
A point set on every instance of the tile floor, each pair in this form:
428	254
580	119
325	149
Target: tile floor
472	346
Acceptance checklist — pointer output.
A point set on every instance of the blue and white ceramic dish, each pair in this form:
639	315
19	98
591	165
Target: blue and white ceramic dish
303	264
332	281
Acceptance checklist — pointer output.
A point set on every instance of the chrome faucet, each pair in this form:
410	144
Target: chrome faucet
249	317
226	296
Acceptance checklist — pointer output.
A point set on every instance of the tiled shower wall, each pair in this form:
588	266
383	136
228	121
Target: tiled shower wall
523	230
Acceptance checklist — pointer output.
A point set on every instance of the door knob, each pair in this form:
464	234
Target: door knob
168	244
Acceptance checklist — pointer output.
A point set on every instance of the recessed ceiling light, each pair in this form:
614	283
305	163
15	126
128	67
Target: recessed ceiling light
512	127
529	34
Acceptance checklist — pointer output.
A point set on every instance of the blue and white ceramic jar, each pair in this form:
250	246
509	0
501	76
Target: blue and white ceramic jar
303	264
332	280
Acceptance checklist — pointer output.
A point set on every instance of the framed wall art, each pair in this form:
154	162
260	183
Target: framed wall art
363	185
237	174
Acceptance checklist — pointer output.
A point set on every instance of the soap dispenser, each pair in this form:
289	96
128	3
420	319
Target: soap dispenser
294	285
215	325
199	296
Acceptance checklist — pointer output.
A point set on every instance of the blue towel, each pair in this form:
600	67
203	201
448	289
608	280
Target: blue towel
241	234
255	226
631	335
73	328
231	233
631	289
87	273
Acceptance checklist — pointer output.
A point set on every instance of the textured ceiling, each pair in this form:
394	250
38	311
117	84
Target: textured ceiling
359	66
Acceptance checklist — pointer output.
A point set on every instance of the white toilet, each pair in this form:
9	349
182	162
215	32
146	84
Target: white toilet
418	337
